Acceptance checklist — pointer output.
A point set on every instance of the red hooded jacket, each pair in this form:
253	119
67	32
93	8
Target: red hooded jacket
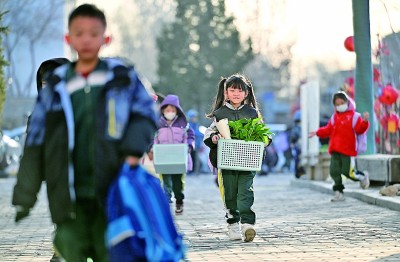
341	133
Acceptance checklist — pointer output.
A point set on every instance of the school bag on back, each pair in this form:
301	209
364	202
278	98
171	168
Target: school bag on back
140	225
361	139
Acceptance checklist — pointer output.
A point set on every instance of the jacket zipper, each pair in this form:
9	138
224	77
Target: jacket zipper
88	103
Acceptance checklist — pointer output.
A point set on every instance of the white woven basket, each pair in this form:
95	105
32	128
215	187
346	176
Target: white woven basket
240	155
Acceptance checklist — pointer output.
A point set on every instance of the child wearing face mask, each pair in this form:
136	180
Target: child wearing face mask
174	128
342	144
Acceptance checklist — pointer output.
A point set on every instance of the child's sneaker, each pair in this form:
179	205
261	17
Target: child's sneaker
248	232
234	232
364	183
338	197
179	208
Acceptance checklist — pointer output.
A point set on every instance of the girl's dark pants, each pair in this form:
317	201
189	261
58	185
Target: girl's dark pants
236	188
174	183
342	165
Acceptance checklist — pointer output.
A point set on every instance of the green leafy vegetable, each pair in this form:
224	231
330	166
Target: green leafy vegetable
249	130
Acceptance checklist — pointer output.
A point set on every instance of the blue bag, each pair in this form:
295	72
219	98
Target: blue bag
140	225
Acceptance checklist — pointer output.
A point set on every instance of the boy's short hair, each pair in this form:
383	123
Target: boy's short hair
87	10
46	68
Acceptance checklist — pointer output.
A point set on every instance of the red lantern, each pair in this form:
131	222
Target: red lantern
349	44
389	95
392	123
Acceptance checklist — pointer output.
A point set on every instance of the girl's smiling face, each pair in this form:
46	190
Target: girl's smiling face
236	96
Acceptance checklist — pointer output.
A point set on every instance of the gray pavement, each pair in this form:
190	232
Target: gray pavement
294	223
30	239
352	189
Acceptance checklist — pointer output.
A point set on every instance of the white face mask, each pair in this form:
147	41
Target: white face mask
170	116
342	108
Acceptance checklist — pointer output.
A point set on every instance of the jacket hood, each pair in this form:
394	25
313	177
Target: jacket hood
173	100
350	102
46	68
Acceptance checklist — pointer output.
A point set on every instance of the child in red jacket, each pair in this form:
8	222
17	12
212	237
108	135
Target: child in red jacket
342	144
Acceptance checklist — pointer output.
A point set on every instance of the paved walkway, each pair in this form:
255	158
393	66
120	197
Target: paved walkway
29	240
352	189
294	223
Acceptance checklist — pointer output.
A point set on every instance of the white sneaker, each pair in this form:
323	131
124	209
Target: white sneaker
338	197
248	232
364	184
234	232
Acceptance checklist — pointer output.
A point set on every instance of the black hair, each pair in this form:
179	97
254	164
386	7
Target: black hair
236	81
46	68
87	10
340	94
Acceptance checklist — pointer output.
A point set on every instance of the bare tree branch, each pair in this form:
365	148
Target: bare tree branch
31	22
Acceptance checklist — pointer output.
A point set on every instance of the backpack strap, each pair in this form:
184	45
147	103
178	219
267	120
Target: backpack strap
332	119
356	115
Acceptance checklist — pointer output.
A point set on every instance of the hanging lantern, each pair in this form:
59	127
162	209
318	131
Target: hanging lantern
389	95
349	44
392	123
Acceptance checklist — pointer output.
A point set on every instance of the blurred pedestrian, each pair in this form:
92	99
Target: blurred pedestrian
93	116
343	142
295	144
192	116
174	129
44	70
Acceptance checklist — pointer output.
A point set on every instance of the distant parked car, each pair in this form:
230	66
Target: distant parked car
10	154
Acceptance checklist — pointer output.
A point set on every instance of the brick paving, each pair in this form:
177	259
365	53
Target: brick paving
30	239
294	223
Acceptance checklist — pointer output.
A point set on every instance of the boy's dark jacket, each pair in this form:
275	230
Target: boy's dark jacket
125	129
228	111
